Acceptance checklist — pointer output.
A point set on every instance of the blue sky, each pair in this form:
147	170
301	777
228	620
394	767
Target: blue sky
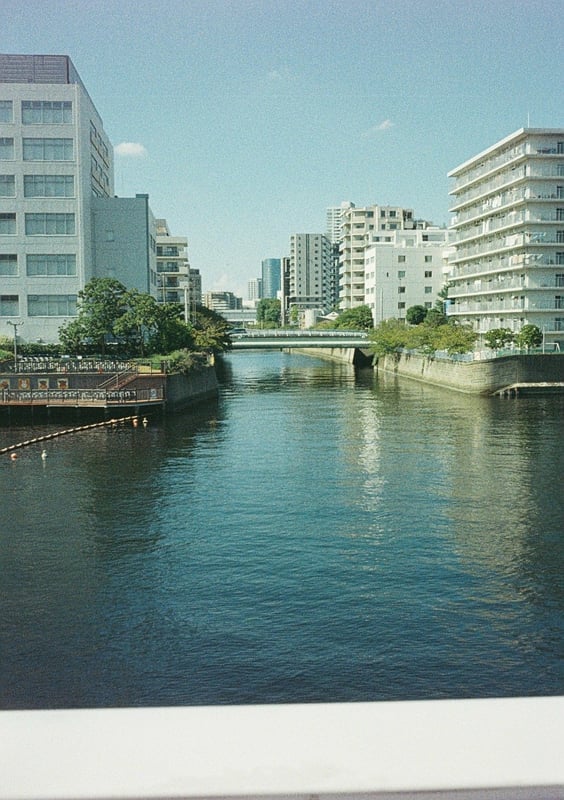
244	121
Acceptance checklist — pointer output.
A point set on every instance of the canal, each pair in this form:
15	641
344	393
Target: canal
317	534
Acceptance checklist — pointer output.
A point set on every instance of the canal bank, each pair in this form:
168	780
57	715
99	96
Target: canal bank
510	375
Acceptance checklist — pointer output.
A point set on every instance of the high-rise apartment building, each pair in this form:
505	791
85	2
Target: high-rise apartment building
358	228
409	268
508	264
310	264
60	224
271	279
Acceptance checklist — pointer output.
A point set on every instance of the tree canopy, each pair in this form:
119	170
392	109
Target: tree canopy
269	311
359	318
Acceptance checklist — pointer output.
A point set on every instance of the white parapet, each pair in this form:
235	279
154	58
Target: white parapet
498	749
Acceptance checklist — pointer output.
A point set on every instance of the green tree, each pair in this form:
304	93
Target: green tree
529	336
388	337
100	305
498	338
138	321
435	317
268	312
210	330
356	319
455	339
415	315
171	332
72	336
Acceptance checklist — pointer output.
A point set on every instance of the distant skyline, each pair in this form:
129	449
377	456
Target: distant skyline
244	121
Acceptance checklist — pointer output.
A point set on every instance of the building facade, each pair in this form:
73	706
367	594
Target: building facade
60	223
358	228
405	269
270	277
55	158
309	271
173	270
508	264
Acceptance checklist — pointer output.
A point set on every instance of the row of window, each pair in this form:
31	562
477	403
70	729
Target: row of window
38	185
39	305
428	259
38	149
38	112
39	264
39	224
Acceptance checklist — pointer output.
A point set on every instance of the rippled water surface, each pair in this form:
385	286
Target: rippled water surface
315	535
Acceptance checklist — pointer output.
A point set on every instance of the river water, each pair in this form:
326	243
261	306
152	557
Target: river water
314	535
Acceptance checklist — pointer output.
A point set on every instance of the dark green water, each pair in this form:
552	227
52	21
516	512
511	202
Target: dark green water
315	535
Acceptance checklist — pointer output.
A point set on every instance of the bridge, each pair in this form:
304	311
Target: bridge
279	338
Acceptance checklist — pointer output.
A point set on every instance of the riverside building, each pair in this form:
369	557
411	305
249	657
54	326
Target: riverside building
404	269
508	266
309	275
60	224
358	227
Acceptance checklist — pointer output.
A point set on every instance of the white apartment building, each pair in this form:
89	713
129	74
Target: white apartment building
508	264
404	269
60	224
358	228
309	272
173	269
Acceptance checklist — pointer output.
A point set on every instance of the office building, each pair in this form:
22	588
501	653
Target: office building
254	290
404	269
270	277
508	265
60	225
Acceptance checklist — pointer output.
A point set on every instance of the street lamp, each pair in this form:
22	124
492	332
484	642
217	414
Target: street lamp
15	326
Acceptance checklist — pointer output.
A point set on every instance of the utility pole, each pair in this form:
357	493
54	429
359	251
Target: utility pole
15	326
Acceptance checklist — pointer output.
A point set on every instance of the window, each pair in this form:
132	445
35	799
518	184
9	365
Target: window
51	305
401	305
558	301
7	224
401	259
8	264
49	224
559	279
48	186
6	111
428	290
401	274
7	186
560	214
51	264
51	112
401	289
428	259
428	305
428	273
392	213
48	150
6	149
560	237
9	305
559	324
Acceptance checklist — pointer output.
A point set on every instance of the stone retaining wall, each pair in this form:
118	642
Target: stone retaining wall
186	390
476	377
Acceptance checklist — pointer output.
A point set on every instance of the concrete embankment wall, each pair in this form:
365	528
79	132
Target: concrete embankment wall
186	390
476	377
344	355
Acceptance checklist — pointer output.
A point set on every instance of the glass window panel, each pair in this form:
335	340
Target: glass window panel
7	186
9	305
48	186
6	111
8	264
50	112
51	264
48	150
6	149
49	224
7	224
51	305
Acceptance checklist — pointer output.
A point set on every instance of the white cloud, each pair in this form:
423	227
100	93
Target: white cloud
130	150
383	126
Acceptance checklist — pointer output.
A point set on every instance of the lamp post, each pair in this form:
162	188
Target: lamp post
15	326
